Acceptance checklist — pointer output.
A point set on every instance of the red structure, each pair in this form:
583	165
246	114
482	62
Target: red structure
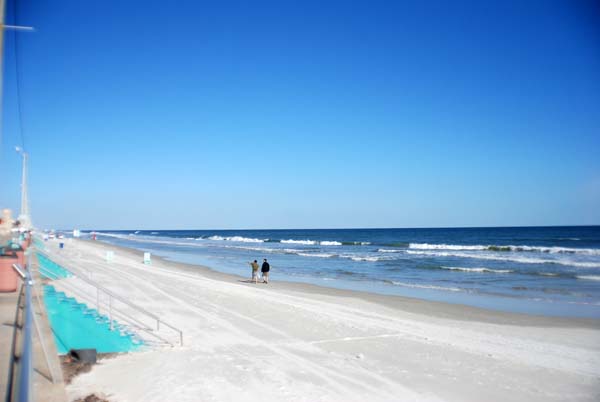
8	277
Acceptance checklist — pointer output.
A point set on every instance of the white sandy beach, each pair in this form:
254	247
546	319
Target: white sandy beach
296	342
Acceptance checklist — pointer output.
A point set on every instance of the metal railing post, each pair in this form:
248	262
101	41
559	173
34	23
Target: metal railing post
25	362
41	338
110	312
111	295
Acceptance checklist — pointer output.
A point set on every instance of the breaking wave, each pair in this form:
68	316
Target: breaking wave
312	242
589	277
118	236
149	239
426	246
369	259
318	255
524	260
304	242
420	286
509	248
477	269
236	238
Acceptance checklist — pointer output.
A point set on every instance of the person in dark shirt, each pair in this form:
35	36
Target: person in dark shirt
265	271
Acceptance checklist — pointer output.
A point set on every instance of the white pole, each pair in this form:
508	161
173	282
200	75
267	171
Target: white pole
24	217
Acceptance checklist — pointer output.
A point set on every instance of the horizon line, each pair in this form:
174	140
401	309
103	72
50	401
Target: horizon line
349	228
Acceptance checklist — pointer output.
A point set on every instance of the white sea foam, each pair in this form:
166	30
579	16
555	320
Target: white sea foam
589	277
513	258
482	269
250	248
385	250
369	259
305	242
116	235
236	238
558	250
419	286
151	239
318	255
312	242
301	253
505	248
427	246
582	264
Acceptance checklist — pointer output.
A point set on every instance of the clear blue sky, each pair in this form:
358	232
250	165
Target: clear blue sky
306	114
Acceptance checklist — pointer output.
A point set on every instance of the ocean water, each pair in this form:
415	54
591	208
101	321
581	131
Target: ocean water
540	270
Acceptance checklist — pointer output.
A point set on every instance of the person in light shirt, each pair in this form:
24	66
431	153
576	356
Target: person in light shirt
254	266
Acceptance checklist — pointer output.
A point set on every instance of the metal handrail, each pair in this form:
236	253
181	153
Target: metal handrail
17	268
105	290
111	294
73	289
26	369
139	325
24	382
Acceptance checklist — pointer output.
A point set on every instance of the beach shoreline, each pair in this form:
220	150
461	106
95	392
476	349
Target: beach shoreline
302	342
535	271
406	303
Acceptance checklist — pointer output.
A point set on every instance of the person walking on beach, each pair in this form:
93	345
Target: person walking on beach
265	271
254	266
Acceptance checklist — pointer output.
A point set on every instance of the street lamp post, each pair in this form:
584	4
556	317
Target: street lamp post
24	217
